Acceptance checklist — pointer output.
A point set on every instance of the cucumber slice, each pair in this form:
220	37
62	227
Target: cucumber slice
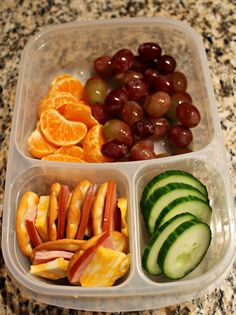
171	176
184	249
151	251
162	197
192	204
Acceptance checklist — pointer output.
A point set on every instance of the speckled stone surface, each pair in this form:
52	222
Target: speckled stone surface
214	20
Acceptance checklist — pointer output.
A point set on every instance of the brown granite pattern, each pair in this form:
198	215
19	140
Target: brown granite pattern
214	20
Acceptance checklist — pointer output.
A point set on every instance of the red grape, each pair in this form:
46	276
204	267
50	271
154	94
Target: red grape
157	104
147	143
180	135
115	129
98	113
179	81
114	149
143	128
122	60
161	126
114	101
136	89
139	64
129	75
132	112
139	152
179	151
177	98
166	64
102	66
149	51
95	91
188	115
151	76
163	83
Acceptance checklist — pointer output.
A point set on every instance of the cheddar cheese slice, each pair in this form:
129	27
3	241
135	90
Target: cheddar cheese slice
105	267
122	205
55	269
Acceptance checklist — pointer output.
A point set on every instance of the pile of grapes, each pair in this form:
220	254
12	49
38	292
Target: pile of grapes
147	101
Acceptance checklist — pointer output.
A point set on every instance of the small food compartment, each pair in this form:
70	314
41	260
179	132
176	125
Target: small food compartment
114	249
167	198
71	50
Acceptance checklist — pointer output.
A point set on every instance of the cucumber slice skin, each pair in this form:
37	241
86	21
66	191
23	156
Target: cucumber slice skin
151	243
170	242
178	176
153	200
185	204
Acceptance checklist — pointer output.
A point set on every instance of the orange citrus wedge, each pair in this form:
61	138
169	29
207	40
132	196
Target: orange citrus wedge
62	158
70	85
38	146
73	150
92	144
54	101
59	130
78	112
60	77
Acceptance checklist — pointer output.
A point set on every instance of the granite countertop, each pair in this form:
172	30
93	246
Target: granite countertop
214	20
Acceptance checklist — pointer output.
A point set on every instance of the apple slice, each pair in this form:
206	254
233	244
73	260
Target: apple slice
78	265
110	207
62	210
86	209
30	226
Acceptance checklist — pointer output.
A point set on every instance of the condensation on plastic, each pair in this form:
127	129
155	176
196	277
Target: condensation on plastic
71	48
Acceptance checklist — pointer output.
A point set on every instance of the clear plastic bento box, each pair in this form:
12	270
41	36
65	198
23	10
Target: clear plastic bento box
71	48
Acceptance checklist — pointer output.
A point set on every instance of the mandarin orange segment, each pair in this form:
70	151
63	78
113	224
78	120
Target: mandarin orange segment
54	101
92	144
59	130
62	158
78	112
61	77
70	85
73	150
38	146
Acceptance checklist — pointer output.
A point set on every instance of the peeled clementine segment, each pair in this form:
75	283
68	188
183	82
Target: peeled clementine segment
73	150
61	77
62	158
92	144
70	85
59	130
55	101
38	146
78	112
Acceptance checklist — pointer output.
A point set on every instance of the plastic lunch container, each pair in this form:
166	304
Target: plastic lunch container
71	48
